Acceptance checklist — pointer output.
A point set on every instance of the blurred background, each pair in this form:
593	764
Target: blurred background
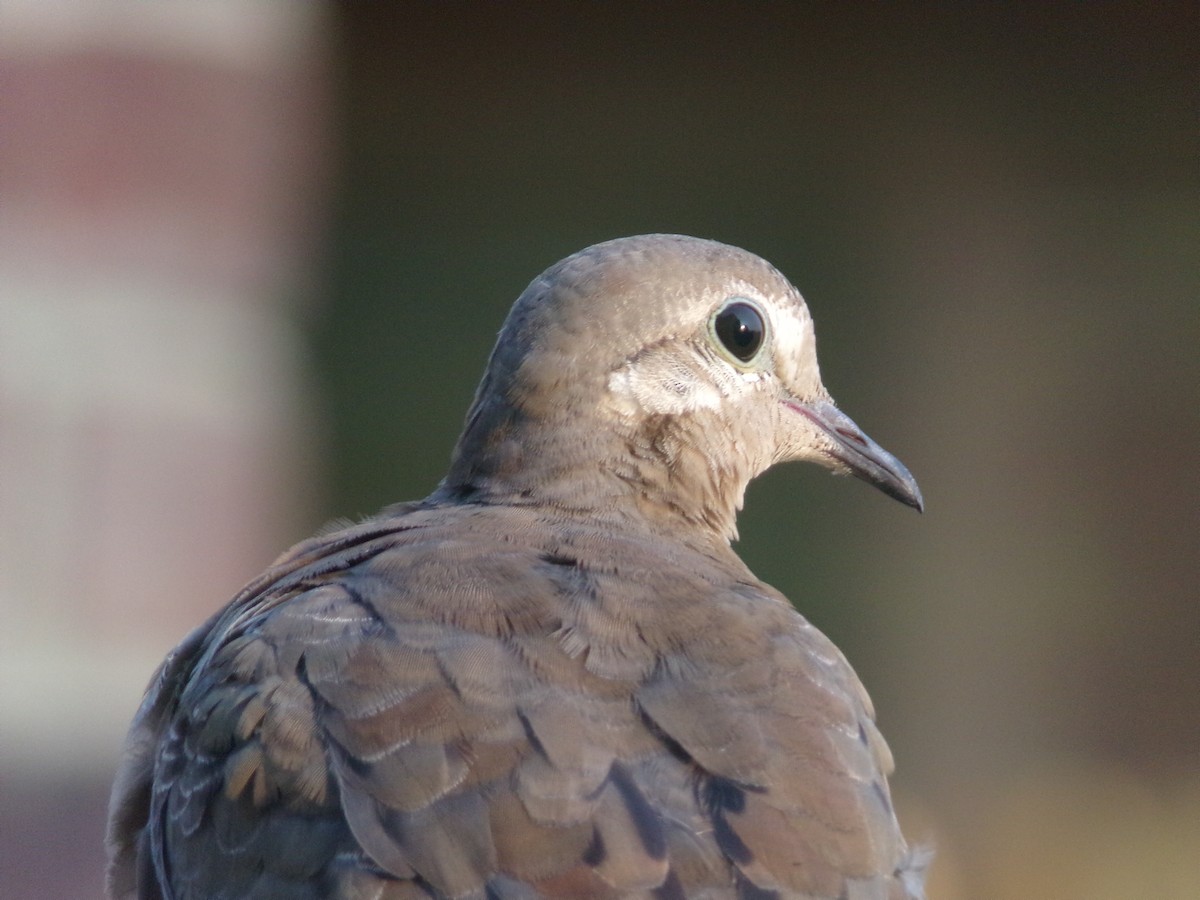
253	256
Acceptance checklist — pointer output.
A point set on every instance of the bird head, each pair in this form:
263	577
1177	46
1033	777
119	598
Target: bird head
680	367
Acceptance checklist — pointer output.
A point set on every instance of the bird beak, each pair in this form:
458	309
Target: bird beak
846	445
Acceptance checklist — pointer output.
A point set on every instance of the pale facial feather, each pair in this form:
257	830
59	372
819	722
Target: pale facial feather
683	373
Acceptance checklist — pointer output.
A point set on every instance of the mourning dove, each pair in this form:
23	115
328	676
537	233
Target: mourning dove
553	677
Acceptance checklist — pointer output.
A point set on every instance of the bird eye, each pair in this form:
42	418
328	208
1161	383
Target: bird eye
740	329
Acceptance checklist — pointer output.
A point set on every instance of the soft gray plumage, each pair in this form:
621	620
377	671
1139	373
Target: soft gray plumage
553	677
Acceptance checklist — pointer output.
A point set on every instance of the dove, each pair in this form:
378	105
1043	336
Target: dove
553	677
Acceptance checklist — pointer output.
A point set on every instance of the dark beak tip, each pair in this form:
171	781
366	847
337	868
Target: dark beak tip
906	492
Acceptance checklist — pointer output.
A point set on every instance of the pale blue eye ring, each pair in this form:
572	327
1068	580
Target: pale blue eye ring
740	328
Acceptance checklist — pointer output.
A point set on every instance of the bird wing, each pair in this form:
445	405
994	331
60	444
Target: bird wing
468	703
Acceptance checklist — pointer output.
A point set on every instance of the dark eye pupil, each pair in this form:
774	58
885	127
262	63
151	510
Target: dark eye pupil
740	329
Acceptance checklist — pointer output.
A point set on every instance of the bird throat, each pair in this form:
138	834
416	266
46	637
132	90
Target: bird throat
657	468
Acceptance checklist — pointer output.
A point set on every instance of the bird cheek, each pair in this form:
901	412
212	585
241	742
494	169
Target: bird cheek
795	438
756	436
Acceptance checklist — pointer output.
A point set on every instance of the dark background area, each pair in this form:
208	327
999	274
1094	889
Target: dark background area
993	211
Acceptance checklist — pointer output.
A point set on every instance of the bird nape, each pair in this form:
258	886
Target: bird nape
553	677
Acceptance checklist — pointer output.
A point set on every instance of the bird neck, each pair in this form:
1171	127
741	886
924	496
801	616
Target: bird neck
657	471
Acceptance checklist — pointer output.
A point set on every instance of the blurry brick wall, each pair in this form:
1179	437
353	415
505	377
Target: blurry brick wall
160	195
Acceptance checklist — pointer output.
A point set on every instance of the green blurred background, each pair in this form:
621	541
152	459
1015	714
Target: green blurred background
993	211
